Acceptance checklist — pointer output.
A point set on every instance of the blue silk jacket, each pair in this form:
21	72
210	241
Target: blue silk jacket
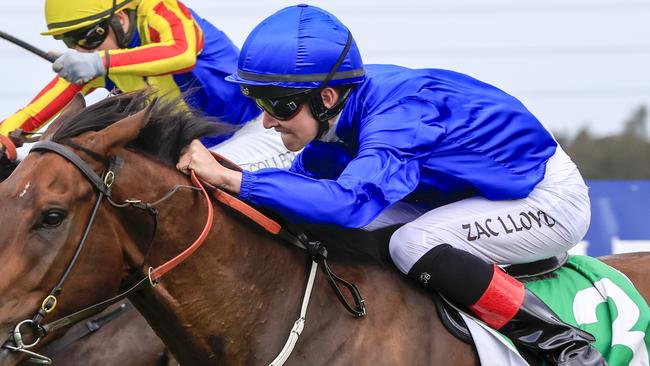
426	136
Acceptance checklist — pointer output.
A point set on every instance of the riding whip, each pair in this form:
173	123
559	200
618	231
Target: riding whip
27	46
34	50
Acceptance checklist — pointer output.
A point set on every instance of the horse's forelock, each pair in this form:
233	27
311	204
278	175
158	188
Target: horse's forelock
172	124
101	115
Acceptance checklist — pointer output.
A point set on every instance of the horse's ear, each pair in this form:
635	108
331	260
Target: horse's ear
76	104
126	130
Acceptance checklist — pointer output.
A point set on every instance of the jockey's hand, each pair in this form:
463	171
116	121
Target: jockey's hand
79	67
199	159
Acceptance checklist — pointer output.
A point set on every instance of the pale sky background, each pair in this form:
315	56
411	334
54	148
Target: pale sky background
572	62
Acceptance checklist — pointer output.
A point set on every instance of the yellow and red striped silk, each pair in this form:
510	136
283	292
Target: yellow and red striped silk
49	102
171	41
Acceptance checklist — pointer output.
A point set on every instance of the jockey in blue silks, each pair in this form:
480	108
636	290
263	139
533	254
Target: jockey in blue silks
474	177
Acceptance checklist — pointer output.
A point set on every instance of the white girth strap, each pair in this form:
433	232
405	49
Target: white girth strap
300	323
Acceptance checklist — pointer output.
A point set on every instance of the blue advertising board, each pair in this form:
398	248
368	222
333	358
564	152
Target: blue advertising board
620	217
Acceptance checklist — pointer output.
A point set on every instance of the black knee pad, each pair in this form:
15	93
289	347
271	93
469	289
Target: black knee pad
455	273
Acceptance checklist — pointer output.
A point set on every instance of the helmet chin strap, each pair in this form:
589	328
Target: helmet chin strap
323	114
320	112
318	109
123	38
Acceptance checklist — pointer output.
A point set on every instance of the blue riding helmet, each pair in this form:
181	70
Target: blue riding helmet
297	47
294	54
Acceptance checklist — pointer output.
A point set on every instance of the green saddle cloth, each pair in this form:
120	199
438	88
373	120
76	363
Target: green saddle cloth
601	300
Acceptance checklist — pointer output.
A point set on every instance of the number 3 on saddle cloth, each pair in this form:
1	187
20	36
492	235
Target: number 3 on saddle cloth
586	293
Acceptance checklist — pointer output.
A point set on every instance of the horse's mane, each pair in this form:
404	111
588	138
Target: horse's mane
172	125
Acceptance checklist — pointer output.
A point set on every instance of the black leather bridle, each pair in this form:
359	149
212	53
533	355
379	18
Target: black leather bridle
102	184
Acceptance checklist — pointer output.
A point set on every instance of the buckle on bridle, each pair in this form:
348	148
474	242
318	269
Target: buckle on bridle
152	282
109	178
49	303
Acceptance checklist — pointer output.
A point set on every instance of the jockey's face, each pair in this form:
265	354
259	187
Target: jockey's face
302	128
295	132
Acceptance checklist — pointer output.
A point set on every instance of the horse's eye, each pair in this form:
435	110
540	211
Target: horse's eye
52	218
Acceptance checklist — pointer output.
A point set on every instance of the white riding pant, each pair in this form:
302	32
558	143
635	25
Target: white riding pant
253	147
551	220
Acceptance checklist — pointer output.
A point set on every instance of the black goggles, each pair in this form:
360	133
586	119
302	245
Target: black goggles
283	108
87	38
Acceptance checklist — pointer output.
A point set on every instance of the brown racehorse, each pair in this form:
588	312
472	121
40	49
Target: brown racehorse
235	300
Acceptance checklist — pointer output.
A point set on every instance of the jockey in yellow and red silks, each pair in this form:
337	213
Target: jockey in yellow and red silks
132	44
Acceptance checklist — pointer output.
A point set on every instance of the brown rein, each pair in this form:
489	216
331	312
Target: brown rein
156	273
9	147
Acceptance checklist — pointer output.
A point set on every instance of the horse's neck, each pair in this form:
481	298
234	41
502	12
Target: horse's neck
222	303
234	301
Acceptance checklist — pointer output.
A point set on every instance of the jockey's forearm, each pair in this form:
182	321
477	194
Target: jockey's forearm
47	104
231	181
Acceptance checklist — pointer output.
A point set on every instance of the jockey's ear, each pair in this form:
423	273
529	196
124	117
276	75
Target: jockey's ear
123	131
76	104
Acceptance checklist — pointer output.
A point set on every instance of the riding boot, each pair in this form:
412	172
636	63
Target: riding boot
504	303
526	320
